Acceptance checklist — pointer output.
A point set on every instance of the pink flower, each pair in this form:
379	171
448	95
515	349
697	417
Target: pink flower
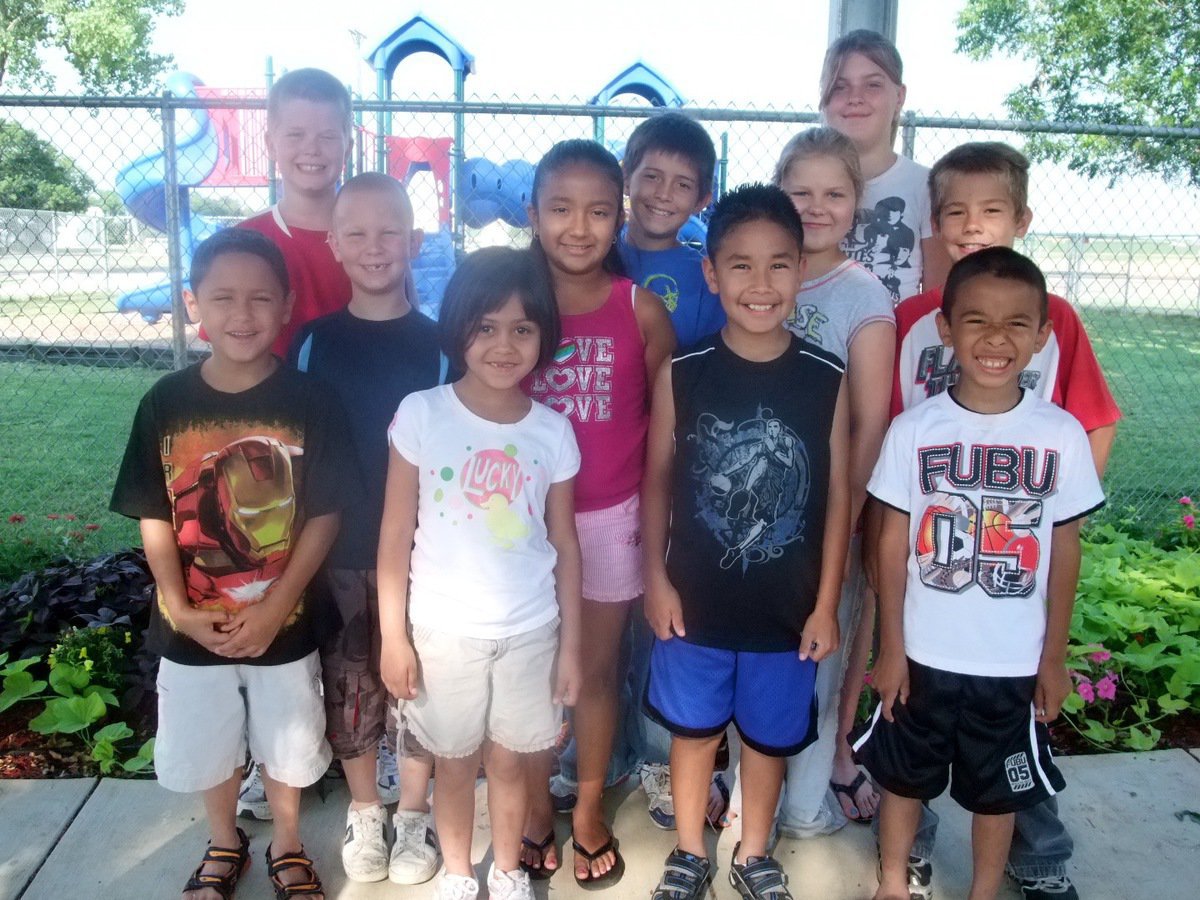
91	526
1185	501
1086	690
16	519
70	517
1189	521
52	516
1106	687
866	678
1100	656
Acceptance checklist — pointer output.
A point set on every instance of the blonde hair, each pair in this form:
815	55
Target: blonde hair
981	158
873	46
822	141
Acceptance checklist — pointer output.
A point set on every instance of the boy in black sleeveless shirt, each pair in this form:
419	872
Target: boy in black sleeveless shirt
745	506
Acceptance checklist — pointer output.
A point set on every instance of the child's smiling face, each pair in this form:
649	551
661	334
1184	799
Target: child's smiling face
664	190
309	142
864	103
995	326
757	272
576	218
823	193
977	212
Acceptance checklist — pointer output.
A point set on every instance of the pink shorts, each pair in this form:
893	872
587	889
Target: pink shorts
610	540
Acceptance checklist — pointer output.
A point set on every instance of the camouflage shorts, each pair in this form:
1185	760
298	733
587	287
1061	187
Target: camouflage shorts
358	708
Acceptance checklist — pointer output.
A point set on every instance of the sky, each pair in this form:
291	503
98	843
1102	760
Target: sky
713	51
722	53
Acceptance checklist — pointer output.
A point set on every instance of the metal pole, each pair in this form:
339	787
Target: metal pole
383	91
457	157
908	133
174	243
723	171
272	186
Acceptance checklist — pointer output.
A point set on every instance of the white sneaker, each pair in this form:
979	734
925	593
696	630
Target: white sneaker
252	796
456	887
656	782
387	773
415	854
365	853
512	885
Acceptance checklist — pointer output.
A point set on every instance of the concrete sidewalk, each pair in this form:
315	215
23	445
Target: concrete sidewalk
132	840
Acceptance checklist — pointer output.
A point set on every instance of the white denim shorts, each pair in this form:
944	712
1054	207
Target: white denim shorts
472	689
209	715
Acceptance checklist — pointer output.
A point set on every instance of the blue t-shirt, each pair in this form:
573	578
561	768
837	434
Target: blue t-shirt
676	276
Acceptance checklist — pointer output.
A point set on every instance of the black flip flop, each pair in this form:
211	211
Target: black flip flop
609	878
540	872
849	790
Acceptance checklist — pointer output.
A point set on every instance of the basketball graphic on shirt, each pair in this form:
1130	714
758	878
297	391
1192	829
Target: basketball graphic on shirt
1009	553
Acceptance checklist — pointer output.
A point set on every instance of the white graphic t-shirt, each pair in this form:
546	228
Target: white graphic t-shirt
983	494
482	565
888	229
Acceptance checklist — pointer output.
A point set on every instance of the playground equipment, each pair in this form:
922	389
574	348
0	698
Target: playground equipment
222	147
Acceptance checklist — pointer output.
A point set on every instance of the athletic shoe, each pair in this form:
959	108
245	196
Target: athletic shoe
365	852
920	878
758	878
512	885
456	887
387	773
1056	887
684	877
415	854
252	797
564	794
656	782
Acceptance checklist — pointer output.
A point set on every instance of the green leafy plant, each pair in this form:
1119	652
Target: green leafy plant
103	651
73	706
1135	649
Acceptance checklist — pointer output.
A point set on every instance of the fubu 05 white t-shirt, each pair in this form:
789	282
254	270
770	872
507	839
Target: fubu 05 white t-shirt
482	565
983	494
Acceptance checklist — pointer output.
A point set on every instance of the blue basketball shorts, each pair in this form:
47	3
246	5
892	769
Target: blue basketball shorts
697	691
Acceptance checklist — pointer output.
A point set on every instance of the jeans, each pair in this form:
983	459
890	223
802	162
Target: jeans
807	807
1040	847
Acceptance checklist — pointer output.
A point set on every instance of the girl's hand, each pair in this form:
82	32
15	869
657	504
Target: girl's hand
398	669
820	636
252	629
664	609
1052	688
890	678
567	677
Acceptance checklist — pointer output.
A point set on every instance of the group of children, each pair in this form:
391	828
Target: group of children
452	525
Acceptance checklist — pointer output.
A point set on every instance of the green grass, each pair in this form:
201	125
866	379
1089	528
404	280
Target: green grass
1153	366
62	433
63	428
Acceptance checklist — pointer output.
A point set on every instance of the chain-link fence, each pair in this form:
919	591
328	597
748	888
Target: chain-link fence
86	298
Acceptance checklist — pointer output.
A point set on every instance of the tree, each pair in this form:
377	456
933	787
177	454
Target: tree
106	41
1111	62
33	175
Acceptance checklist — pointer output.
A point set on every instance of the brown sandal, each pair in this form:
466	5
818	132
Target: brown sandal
238	860
311	886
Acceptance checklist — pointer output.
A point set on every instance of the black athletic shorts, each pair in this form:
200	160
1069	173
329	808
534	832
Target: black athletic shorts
975	732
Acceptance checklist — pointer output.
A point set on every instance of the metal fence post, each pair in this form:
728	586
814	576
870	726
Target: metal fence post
174	250
908	134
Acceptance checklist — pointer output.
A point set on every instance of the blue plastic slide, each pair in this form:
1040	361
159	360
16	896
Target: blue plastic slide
141	188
